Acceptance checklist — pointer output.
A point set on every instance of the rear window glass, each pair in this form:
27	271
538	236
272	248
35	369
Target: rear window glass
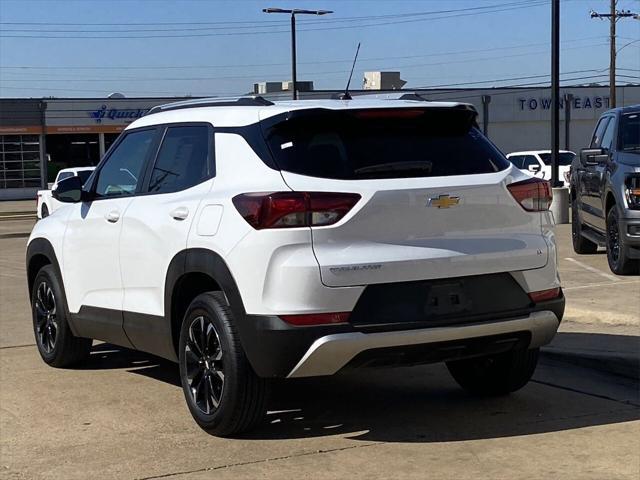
564	158
383	143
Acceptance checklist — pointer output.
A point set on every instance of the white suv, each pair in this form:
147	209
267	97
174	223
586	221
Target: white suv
249	240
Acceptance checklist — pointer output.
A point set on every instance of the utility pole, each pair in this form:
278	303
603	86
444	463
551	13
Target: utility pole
613	16
293	13
555	91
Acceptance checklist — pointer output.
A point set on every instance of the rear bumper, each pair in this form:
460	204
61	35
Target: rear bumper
330	353
277	349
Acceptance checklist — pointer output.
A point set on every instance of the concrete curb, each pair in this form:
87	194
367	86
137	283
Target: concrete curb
621	364
14	235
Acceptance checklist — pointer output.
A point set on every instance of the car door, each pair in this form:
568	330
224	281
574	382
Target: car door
587	176
594	178
156	227
92	273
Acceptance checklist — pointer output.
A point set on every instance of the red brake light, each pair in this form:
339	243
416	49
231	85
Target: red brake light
544	295
534	194
389	113
316	318
293	209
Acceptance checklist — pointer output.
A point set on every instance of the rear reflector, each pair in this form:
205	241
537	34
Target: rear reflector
534	194
293	209
544	295
316	318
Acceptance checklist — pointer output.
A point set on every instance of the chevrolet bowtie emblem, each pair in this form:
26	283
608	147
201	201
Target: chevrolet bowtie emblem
444	201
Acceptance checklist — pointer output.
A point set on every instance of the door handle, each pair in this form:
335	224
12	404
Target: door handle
113	216
179	213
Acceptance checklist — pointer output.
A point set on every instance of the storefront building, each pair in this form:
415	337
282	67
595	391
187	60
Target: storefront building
38	137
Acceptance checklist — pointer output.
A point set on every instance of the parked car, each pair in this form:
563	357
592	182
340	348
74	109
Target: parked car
605	191
46	204
538	163
249	240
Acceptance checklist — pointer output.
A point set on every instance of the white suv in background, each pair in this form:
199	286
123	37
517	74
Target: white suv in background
538	163
249	240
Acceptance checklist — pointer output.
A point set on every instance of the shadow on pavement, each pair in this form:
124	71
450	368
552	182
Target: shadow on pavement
415	404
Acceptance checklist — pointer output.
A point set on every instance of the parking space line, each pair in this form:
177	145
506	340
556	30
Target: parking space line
591	285
593	269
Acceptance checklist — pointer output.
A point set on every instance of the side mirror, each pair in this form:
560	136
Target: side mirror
69	190
534	168
593	156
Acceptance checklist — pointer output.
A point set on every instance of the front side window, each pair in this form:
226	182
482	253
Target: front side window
607	137
529	161
123	169
183	159
597	136
64	176
517	160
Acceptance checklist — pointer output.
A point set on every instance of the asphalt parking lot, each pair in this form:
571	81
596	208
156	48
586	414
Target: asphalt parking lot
123	414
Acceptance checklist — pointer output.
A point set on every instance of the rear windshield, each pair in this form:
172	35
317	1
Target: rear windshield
382	143
564	158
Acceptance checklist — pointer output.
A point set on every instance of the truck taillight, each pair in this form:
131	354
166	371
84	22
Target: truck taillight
534	194
293	209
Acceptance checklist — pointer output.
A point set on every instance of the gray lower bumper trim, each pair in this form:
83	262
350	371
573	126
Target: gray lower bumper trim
329	354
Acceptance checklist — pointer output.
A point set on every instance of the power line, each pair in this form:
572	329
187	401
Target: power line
48	77
254	23
465	12
395	57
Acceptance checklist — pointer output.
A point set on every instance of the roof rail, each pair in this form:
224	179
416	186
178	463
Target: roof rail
413	96
249	101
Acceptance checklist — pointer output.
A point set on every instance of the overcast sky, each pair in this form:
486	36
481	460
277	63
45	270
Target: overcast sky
210	47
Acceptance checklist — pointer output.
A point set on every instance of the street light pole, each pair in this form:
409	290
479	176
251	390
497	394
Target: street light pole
293	13
555	91
294	73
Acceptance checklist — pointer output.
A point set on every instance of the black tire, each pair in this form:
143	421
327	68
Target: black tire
44	211
58	347
581	245
617	250
495	374
221	405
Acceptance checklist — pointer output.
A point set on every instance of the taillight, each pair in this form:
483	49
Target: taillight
293	209
534	194
316	318
544	295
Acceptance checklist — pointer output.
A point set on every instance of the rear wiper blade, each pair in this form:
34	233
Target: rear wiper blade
396	166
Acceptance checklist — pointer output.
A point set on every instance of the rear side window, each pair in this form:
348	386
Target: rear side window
630	132
183	159
383	143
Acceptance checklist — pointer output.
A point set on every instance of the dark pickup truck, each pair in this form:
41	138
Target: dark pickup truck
605	191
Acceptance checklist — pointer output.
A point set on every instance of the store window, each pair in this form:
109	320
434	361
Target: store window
20	161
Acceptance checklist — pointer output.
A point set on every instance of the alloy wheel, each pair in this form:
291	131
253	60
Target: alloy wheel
46	317
614	240
204	366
